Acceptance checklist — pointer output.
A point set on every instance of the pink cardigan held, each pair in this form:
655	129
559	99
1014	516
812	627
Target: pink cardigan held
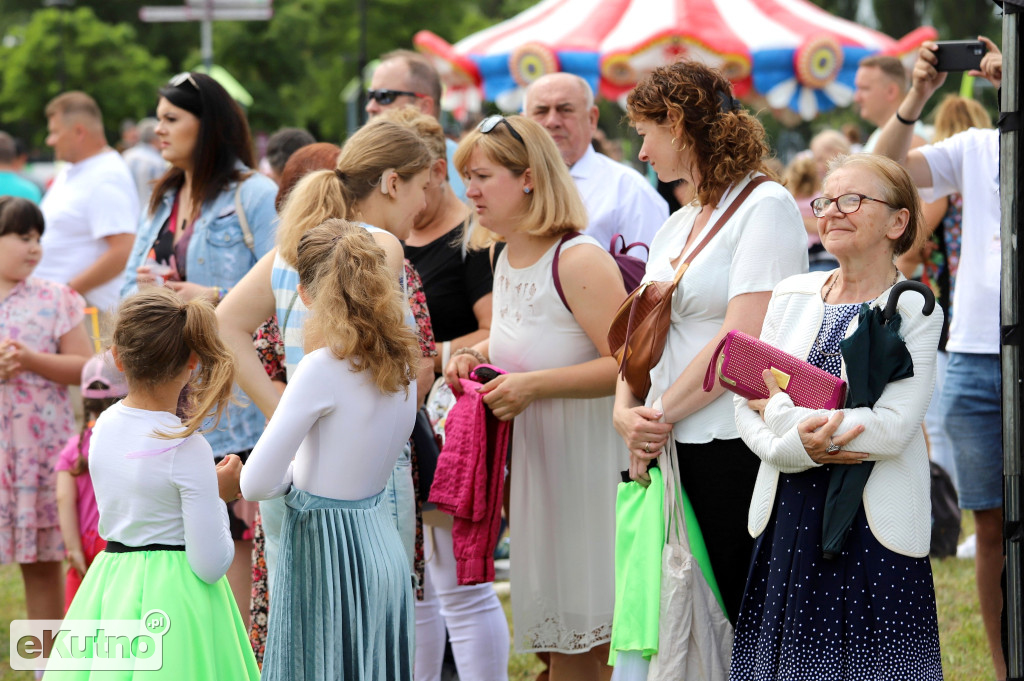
469	482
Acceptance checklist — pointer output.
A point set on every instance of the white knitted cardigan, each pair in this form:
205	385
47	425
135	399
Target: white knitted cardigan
897	496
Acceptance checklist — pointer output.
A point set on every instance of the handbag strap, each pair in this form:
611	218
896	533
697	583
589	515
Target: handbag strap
724	218
685	264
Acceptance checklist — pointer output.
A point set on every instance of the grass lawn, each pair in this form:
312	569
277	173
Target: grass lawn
964	650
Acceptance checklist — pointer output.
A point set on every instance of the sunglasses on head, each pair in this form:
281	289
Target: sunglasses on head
181	79
385	97
491	122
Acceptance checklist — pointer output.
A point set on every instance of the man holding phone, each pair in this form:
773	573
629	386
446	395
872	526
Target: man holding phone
971	401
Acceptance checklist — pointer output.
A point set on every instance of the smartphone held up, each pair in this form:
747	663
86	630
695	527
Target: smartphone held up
959	55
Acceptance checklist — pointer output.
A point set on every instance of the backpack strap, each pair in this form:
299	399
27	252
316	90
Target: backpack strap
614	247
554	266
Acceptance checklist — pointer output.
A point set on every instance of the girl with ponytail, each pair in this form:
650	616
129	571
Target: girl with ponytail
161	500
342	585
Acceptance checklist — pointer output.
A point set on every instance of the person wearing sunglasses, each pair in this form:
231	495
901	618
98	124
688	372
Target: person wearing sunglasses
407	78
872	602
564	458
210	218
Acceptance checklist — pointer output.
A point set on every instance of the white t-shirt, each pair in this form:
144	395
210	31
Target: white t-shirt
763	243
343	433
150	490
619	200
968	163
89	200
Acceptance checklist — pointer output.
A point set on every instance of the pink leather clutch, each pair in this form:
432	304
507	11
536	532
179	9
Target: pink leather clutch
739	361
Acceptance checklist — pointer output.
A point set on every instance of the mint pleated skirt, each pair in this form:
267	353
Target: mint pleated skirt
204	637
342	606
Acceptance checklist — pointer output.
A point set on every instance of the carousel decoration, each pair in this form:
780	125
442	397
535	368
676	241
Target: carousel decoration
789	54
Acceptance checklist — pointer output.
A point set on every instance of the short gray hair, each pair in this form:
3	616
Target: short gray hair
588	92
8	149
147	130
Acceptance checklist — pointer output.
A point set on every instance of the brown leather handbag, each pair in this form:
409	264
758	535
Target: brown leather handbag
639	329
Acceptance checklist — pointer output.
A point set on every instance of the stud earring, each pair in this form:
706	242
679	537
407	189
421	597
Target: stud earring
527	190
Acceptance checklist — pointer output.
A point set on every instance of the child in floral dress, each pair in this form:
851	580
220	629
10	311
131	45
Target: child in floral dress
43	347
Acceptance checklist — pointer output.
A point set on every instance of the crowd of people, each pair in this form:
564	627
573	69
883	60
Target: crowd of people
245	457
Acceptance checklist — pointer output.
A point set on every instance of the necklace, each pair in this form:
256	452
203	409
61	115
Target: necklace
824	299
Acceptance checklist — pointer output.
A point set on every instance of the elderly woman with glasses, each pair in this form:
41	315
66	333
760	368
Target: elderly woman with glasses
210	218
868	612
559	386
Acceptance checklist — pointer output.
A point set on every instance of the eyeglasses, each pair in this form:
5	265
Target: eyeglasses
491	122
385	97
182	78
847	203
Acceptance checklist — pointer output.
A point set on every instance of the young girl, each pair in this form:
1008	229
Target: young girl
43	346
102	385
342	587
160	499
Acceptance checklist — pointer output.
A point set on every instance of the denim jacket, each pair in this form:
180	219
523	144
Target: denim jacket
218	256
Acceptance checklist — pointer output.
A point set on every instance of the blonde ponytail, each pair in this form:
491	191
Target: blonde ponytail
357	307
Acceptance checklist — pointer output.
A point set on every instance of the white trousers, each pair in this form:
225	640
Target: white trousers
473	616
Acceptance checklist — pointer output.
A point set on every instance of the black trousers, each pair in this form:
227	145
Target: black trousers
718	477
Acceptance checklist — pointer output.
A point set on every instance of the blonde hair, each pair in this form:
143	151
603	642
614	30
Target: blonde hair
898	190
802	176
555	203
357	307
378	146
426	127
956	114
156	333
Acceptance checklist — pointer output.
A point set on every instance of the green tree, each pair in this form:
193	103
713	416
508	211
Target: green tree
965	19
101	59
898	18
847	9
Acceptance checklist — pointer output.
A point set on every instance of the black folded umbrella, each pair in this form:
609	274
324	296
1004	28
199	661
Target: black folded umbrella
875	355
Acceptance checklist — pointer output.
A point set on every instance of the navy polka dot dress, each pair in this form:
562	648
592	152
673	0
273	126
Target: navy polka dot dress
868	615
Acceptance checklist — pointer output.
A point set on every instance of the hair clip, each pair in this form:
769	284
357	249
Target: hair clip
726	102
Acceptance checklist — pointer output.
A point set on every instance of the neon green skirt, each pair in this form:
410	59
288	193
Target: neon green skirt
203	637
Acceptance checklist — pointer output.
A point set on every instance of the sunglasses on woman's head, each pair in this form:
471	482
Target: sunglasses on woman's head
491	122
385	97
182	78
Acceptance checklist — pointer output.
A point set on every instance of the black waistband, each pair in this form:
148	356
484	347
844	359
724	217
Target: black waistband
118	547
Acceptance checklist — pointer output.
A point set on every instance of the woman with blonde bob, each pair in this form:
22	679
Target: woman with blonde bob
868	612
343	586
565	460
378	183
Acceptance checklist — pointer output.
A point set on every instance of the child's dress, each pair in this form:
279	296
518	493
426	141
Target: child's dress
35	421
88	514
168	547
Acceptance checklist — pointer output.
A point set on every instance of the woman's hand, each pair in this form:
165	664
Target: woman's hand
817	434
458	367
77	559
773	389
229	470
190	291
508	395
645	435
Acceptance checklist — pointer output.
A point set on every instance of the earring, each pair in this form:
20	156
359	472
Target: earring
527	190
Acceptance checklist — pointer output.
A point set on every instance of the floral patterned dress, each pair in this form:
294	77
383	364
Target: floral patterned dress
36	421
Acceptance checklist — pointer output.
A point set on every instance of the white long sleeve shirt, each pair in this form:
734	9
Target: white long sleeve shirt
343	433
150	490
